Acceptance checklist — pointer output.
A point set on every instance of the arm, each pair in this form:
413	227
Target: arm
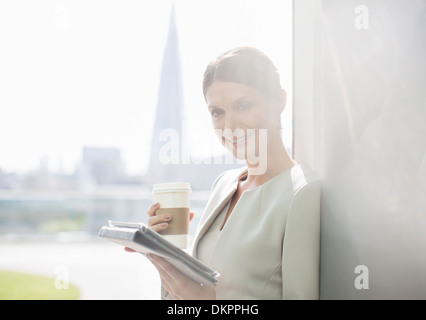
301	245
167	288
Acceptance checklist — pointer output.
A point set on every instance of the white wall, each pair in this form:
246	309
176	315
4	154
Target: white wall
359	121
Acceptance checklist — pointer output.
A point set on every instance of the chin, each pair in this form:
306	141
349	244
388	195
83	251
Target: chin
238	157
238	153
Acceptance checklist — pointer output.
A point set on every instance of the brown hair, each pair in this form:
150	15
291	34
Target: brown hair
244	65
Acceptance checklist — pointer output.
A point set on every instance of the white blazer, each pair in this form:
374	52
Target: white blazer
269	247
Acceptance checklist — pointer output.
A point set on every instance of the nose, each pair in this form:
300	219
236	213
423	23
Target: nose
231	121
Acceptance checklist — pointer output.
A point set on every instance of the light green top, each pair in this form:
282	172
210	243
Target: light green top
269	247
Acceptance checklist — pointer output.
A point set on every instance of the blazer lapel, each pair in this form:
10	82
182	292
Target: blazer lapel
218	200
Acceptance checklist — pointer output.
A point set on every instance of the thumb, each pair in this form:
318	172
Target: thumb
191	216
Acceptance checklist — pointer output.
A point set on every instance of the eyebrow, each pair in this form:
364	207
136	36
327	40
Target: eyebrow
241	99
236	101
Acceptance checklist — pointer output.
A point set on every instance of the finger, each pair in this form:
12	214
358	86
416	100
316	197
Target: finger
157	262
164	276
153	208
159	219
169	271
129	249
167	281
159	227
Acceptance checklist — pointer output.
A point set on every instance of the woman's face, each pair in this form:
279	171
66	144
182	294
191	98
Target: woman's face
244	119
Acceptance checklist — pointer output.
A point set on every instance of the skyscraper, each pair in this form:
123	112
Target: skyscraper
170	108
170	159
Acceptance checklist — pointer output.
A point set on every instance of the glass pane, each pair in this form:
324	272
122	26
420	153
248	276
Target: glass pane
80	89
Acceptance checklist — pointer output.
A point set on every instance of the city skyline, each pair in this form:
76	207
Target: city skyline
76	79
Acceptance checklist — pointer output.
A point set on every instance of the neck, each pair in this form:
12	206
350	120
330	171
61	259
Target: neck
277	160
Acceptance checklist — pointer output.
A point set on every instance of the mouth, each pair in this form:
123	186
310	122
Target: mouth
238	141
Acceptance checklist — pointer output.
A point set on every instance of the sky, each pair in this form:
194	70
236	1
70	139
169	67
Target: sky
86	72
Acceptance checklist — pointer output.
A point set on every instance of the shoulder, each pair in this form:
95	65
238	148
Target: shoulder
298	185
306	191
228	177
302	177
293	181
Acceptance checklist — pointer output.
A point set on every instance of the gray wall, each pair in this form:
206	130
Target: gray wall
360	122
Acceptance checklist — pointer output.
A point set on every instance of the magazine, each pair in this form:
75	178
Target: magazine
139	237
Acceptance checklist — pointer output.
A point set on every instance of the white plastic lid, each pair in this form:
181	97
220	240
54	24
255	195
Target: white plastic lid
171	187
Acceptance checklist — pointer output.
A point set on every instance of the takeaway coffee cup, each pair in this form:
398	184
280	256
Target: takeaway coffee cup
174	200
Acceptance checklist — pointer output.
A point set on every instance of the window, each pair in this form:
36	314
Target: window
80	88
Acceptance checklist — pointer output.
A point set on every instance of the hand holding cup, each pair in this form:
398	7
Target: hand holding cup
170	215
160	222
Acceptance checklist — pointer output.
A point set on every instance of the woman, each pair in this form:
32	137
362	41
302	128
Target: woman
261	225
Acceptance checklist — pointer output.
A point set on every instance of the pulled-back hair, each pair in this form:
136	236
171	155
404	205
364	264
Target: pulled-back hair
244	65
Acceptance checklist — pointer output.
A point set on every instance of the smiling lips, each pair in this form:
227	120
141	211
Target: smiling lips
238	141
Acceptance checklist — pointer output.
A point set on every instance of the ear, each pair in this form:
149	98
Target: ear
278	106
283	100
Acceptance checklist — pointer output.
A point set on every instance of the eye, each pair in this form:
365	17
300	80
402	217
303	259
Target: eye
244	106
216	113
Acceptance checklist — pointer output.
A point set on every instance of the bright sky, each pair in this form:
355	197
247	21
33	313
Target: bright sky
86	72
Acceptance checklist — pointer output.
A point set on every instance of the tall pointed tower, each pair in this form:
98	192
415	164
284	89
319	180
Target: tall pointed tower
168	120
170	108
